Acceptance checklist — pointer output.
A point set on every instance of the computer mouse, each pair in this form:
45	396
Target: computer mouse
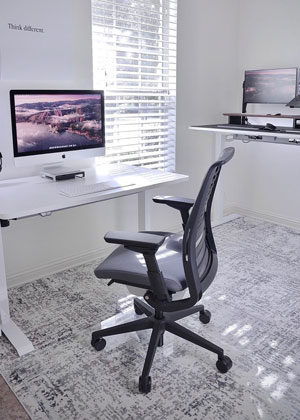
270	127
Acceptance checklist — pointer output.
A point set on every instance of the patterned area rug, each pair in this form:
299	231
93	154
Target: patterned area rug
255	305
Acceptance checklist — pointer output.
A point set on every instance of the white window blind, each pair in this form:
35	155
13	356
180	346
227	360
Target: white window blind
134	54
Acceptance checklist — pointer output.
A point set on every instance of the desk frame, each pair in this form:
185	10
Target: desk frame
13	333
223	135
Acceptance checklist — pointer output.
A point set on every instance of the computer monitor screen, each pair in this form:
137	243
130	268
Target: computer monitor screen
275	86
51	125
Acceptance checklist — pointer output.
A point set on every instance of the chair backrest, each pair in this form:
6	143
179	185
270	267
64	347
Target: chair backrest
199	250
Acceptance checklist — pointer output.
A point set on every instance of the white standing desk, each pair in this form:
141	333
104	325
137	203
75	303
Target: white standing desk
32	196
225	134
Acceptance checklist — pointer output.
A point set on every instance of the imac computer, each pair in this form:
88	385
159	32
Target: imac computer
53	126
273	86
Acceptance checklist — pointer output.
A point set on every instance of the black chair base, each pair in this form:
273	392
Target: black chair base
159	323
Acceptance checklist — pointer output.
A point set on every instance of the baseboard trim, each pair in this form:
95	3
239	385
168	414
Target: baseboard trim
55	266
267	217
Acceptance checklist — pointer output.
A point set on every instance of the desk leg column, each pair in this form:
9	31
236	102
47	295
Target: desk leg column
218	203
4	308
13	333
144	202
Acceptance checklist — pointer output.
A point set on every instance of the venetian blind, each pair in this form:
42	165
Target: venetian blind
134	55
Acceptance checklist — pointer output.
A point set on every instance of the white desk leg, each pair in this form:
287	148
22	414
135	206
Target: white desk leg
13	333
218	204
144	202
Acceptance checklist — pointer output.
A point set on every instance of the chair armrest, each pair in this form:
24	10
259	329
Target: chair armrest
178	203
135	240
146	244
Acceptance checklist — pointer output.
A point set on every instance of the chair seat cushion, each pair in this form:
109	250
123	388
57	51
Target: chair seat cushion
128	267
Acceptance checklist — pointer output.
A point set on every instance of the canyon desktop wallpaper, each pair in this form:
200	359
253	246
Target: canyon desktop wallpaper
48	122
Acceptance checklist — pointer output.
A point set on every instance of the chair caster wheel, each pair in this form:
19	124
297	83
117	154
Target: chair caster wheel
98	344
224	364
145	384
137	310
205	317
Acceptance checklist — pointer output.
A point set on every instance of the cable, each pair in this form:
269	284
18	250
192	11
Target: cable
0	161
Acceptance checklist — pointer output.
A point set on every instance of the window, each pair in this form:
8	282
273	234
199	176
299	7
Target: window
134	53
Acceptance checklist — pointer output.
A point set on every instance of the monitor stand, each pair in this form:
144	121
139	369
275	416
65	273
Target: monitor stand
60	173
295	103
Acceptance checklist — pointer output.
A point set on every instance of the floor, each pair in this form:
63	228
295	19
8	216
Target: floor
10	408
255	305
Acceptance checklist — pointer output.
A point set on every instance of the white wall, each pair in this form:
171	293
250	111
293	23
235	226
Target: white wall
206	73
263	179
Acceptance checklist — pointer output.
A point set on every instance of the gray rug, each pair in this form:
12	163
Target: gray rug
255	302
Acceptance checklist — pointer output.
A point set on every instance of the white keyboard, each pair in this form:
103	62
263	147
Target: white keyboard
77	189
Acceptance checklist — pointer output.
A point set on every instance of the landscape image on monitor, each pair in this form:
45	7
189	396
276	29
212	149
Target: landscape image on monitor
48	122
276	86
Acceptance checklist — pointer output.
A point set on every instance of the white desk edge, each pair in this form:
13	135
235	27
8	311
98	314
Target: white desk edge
251	133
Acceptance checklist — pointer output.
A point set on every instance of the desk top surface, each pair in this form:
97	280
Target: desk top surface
24	197
283	132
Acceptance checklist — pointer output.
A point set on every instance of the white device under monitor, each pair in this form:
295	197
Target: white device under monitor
54	126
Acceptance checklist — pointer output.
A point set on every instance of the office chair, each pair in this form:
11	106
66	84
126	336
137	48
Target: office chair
163	264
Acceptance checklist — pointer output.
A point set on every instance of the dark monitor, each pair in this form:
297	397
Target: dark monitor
54	125
273	86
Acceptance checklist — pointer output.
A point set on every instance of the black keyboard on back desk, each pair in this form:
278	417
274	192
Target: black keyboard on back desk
261	128
287	130
241	127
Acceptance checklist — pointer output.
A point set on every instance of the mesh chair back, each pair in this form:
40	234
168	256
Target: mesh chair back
199	250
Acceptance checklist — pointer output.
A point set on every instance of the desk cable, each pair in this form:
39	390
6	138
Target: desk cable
0	161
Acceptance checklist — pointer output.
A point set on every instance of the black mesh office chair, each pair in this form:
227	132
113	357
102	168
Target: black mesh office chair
163	264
